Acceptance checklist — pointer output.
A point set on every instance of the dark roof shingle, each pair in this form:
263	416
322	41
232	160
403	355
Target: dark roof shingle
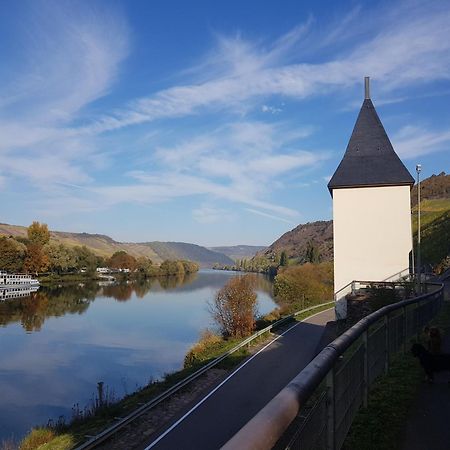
370	159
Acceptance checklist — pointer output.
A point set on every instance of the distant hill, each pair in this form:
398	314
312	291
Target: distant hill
435	210
295	242
181	250
105	246
239	251
432	188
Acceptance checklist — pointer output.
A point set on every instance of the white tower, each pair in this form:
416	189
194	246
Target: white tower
371	205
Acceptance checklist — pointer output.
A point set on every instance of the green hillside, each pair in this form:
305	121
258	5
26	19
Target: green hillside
435	232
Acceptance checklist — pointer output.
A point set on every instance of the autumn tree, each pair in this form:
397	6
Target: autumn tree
234	307
190	266
36	259
38	233
297	287
122	260
12	254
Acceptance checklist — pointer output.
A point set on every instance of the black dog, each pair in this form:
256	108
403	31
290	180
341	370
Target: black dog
431	363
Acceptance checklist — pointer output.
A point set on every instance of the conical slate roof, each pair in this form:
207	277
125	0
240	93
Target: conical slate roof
370	159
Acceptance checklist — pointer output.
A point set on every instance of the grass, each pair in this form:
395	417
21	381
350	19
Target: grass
46	439
429	211
381	424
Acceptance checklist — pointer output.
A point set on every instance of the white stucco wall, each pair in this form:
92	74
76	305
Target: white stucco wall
372	233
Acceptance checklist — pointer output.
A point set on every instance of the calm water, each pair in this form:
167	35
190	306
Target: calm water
56	346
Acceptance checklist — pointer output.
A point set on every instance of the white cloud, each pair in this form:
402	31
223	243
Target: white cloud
409	47
209	215
413	141
270	109
74	59
71	56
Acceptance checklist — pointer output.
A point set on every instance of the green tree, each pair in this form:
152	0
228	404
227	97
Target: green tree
172	267
283	258
60	257
312	253
86	259
38	233
234	307
12	254
144	265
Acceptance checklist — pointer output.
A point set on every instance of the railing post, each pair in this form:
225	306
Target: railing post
419	319
386	343
365	338
405	327
330	409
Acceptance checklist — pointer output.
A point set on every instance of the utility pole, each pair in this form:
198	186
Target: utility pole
418	263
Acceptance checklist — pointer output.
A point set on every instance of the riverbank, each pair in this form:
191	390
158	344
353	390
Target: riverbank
52	278
94	419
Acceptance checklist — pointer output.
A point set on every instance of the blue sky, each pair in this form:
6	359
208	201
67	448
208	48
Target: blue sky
216	123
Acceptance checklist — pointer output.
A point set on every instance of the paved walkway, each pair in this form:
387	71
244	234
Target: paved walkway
428	427
212	421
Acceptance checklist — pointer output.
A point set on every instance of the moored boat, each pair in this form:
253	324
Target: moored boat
16	279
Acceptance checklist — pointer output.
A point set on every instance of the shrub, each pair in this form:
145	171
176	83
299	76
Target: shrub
298	287
36	438
203	349
234	307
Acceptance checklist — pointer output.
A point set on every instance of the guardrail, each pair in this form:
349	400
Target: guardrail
323	399
110	431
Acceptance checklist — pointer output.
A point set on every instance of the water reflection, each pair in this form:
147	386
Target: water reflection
59	342
31	311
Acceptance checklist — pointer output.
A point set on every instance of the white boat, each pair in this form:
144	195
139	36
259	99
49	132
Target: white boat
8	280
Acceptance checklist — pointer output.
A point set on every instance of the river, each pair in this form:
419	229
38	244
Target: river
56	345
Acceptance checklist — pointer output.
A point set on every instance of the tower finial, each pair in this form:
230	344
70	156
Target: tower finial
366	88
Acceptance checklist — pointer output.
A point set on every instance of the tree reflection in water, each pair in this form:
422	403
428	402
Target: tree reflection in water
58	300
53	301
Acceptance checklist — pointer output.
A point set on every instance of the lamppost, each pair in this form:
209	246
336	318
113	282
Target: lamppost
418	169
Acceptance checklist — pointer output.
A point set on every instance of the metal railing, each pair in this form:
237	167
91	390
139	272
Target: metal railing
110	431
323	399
340	296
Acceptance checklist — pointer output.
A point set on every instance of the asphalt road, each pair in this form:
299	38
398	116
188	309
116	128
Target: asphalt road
213	420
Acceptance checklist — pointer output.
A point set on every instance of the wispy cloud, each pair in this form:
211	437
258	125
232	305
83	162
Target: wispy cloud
410	46
270	216
208	214
73	58
70	57
412	141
